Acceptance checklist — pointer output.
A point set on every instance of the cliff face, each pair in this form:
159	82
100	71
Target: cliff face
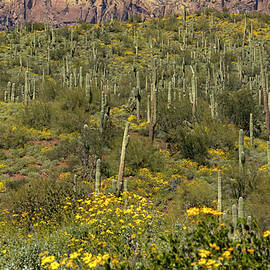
70	11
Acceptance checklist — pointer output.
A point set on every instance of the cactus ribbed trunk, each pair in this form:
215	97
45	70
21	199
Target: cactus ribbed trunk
241	207
241	151
122	160
234	217
153	117
251	128
266	110
98	177
265	93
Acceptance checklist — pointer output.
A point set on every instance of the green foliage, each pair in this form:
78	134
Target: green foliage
141	153
192	144
37	115
237	106
192	193
258	201
42	195
13	136
209	244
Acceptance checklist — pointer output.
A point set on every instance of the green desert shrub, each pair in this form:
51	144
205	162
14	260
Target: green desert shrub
13	136
237	106
39	196
194	193
141	153
37	115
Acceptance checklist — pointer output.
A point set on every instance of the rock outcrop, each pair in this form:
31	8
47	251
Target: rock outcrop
60	12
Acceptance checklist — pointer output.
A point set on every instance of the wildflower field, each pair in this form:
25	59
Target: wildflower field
136	145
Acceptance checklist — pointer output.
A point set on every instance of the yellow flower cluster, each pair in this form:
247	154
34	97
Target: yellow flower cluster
131	118
68	136
64	176
116	110
156	181
45	149
106	212
218	154
90	261
266	233
208	263
186	163
262	145
41	134
165	153
211	171
2	186
204	210
264	168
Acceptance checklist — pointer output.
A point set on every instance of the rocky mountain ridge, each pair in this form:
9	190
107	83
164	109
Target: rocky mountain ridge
60	12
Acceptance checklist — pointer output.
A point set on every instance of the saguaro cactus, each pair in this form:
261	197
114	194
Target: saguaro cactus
105	112
241	150
122	160
81	77
251	129
8	93
241	207
137	96
98	177
153	116
12	97
85	144
213	106
148	108
26	88
193	95
234	217
169	95
249	222
88	93
265	94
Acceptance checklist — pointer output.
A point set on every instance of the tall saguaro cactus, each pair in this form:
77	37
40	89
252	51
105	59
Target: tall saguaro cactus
153	116
169	95
122	160
98	177
26	88
241	150
81	77
193	95
251	129
105	112
137	97
265	94
148	109
234	217
88	93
